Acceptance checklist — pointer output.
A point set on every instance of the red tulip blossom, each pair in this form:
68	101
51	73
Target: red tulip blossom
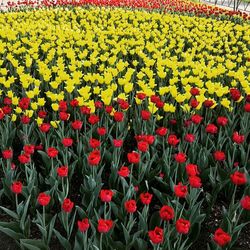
117	143
166	213
62	171
44	127
104	226
219	156
238	178
83	225
52	152
162	131
222	121
180	190
93	119
76	125
94	158
24	158
146	198
221	238
67	205
156	235
182	226
192	169
101	131
173	140
67	142
43	199
118	116
124	171
237	138
17	187
180	157
195	181
130	206
145	115
196	119
142	146
7	154
235	94
211	129
94	143
106	195
245	202
133	157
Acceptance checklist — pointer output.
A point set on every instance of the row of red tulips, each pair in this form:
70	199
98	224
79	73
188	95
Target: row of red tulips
179	6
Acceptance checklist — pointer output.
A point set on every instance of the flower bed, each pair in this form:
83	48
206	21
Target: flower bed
179	6
122	129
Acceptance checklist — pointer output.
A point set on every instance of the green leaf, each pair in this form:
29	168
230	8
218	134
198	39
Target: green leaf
10	213
64	242
140	244
142	223
51	227
11	229
72	223
33	244
23	218
125	234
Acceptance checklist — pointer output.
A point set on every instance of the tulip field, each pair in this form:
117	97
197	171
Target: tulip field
124	125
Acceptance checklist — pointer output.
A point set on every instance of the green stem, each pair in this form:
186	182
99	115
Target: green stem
237	220
105	207
233	197
131	175
168	236
85	240
100	248
44	225
16	199
176	209
78	143
63	188
157	247
179	242
67	225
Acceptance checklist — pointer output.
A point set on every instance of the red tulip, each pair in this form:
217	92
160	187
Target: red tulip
7	154
17	187
156	235
67	205
182	226
180	190
67	142
133	157
94	158
238	178
124	171
221	238
245	202
146	198
43	199
167	213
106	195
83	225
104	226
130	206
62	171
